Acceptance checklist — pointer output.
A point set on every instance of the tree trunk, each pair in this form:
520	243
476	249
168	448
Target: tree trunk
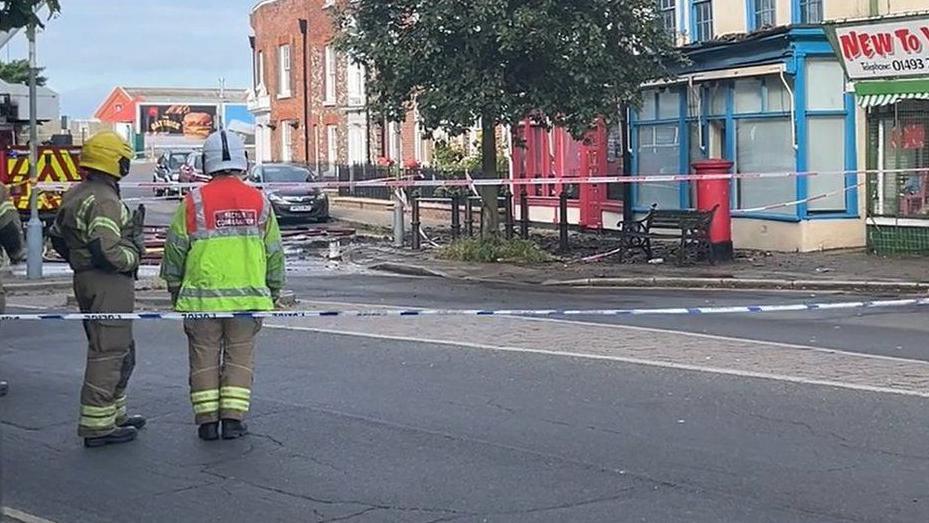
490	213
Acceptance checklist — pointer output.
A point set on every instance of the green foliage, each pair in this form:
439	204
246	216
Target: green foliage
17	72
451	156
495	250
560	62
20	13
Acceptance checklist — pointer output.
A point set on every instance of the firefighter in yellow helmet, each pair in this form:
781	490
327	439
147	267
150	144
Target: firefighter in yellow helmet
103	242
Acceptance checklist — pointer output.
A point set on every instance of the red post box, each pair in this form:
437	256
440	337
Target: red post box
715	194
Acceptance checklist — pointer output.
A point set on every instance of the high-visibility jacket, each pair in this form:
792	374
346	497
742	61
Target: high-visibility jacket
223	251
93	228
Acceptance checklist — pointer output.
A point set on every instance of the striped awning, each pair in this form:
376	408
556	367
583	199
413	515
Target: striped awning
889	92
877	100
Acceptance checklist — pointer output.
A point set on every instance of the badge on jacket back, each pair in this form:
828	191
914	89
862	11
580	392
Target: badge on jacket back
235	218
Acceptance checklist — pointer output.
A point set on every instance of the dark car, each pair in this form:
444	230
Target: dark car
168	170
192	171
292	203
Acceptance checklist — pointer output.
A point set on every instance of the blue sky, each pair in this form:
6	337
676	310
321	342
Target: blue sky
97	44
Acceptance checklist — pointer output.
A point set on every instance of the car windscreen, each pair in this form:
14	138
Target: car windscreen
285	174
175	161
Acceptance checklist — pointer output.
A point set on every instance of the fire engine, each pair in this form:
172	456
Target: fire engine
55	164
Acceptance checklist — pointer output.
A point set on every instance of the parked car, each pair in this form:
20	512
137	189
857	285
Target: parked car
301	204
192	171
168	170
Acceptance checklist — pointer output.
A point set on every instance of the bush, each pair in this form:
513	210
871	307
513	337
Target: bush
495	250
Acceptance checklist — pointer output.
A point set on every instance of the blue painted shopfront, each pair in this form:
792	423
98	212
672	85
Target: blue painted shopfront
774	101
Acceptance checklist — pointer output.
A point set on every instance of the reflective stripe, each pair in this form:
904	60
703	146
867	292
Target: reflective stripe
6	207
206	407
181	241
130	256
204	395
124	214
106	223
235	393
96	412
196	196
246	292
226	232
234	404
82	212
98	423
121	401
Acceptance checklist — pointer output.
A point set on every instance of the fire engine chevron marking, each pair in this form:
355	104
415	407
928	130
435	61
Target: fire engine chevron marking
379	313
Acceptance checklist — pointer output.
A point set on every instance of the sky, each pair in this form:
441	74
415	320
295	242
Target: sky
96	45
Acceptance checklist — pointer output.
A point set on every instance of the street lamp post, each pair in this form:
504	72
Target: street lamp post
34	240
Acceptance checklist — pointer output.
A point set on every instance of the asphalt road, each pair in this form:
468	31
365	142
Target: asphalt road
369	425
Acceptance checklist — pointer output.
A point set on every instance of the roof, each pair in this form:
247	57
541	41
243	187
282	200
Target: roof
185	95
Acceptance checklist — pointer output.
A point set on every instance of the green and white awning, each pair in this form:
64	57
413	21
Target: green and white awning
889	92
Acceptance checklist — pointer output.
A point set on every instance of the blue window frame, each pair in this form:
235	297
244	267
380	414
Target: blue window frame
761	13
810	11
666	13
701	20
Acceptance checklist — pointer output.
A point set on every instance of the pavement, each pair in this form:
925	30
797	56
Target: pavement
819	416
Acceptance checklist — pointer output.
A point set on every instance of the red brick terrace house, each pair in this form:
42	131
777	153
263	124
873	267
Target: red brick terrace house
335	127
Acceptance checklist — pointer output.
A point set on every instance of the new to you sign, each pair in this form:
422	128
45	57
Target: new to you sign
892	49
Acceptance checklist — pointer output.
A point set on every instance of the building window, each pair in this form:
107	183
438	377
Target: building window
811	11
766	146
418	153
356	84
357	145
260	69
332	146
762	13
667	16
394	143
702	20
287	135
284	67
330	75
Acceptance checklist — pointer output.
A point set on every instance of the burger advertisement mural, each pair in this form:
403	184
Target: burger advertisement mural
177	124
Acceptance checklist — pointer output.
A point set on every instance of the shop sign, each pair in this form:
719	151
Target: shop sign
883	50
192	121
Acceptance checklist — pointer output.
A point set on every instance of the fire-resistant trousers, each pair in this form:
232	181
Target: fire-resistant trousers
110	350
221	363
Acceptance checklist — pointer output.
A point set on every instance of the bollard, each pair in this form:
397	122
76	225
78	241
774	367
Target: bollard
524	214
398	220
563	221
508	205
415	223
456	216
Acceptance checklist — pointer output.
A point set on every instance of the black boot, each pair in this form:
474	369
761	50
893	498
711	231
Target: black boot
120	435
4	388
233	429
136	422
209	431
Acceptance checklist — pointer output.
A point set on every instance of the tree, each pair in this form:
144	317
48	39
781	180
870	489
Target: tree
15	14
556	62
17	72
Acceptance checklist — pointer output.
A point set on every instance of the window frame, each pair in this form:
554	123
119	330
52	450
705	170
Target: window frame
667	11
801	9
284	71
698	26
330	77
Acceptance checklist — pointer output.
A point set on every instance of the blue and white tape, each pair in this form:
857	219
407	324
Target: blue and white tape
401	313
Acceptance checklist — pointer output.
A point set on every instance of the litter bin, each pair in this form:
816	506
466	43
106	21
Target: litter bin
716	193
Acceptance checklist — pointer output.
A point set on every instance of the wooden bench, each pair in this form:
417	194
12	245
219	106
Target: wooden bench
690	227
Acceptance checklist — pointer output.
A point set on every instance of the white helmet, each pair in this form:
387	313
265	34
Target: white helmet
224	151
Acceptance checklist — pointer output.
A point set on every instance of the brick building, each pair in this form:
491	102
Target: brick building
339	128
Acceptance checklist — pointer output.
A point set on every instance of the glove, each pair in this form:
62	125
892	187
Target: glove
138	229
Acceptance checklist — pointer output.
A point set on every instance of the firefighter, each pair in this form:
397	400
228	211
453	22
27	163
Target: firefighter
223	253
11	241
103	242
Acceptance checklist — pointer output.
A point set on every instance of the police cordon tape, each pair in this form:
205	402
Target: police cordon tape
405	182
409	313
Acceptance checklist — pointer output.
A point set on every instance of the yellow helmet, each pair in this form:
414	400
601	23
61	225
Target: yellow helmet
108	153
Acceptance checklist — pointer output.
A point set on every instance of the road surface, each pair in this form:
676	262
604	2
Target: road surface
497	419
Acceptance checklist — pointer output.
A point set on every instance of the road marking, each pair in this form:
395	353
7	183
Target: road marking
23	517
619	359
716	337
